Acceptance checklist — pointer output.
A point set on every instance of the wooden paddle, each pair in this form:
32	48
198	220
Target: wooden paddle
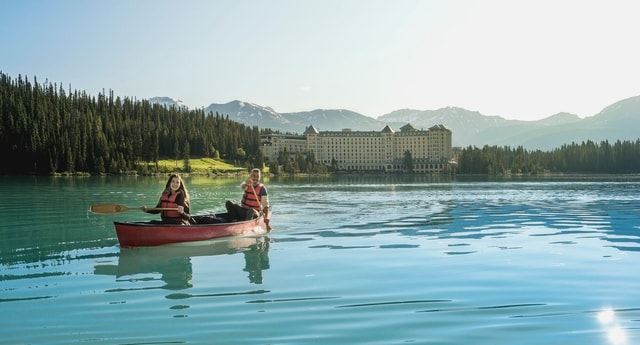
266	220
113	208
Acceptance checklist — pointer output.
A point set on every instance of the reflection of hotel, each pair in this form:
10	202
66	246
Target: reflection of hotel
374	151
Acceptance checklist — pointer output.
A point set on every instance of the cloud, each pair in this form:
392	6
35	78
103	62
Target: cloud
306	88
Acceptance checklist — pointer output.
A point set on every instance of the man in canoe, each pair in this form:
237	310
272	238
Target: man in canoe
254	200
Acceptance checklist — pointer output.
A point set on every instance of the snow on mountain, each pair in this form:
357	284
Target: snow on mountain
168	102
248	113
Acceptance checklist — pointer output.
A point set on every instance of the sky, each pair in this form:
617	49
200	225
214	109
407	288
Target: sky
524	59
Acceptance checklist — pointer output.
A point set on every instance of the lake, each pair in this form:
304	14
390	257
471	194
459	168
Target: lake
350	260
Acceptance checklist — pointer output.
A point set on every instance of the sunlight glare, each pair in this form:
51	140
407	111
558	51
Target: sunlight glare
606	316
615	334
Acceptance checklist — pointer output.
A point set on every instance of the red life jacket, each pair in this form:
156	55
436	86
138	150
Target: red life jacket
249	198
169	201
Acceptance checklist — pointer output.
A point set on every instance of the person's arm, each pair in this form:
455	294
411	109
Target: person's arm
185	212
186	215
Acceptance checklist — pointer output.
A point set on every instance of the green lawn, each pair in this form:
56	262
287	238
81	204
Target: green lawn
199	166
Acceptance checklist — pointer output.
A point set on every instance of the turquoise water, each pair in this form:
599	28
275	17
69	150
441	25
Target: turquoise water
351	260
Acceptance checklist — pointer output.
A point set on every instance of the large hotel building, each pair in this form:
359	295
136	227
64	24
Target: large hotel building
383	151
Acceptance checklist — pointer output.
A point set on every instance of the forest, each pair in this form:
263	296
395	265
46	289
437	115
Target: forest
46	130
621	157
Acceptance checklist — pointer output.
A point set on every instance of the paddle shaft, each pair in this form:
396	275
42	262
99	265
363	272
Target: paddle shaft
114	208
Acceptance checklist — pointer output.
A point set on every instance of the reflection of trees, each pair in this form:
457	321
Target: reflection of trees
357	180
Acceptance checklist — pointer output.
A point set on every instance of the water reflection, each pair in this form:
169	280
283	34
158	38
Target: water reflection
256	260
560	213
173	262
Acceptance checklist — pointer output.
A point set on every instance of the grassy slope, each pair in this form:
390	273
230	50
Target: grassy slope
199	166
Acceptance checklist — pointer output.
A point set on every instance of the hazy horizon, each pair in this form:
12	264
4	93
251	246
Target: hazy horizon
523	60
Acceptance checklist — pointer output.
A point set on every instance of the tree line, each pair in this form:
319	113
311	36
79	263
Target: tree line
45	129
621	157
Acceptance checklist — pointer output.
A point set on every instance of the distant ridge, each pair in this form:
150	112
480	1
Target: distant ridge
619	121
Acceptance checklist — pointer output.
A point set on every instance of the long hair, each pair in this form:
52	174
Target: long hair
182	188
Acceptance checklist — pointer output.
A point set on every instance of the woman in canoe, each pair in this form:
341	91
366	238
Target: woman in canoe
174	195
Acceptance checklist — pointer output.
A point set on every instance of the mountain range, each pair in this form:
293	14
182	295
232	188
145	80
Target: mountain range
619	121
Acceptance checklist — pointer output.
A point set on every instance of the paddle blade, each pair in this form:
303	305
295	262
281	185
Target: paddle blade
109	208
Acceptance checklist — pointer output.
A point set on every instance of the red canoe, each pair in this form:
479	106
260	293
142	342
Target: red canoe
144	234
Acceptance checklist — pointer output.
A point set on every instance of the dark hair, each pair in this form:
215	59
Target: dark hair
182	188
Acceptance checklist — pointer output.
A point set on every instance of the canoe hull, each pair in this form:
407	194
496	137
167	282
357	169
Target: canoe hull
145	234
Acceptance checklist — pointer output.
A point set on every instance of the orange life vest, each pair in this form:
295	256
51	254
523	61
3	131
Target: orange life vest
249	198
169	201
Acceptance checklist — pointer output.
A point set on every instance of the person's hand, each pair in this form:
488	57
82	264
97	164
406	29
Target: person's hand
144	208
180	209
